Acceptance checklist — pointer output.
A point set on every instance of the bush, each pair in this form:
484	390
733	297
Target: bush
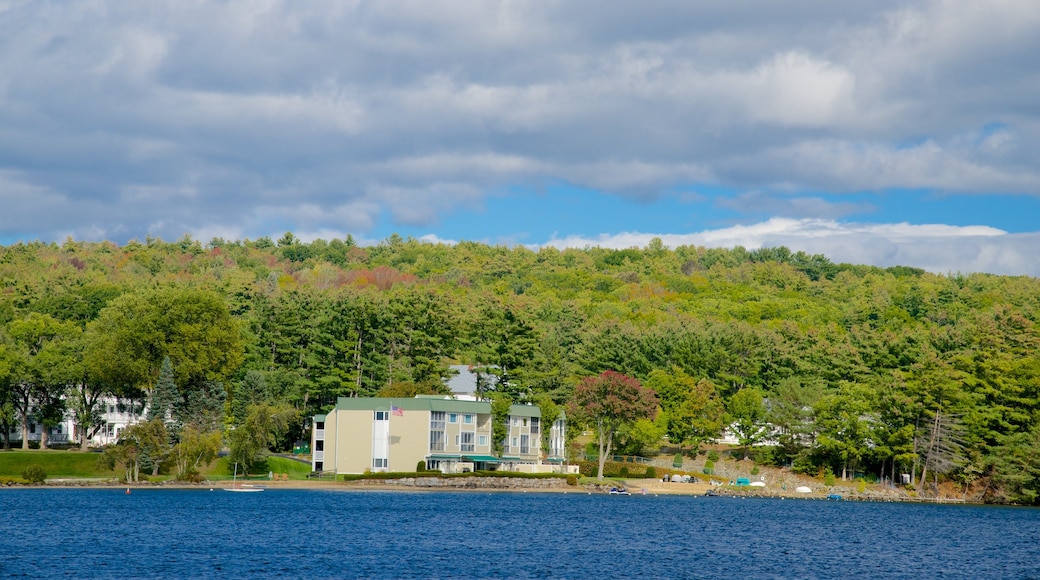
713	456
861	485
420	466
677	461
191	475
623	472
828	476
651	472
754	470
572	479
34	474
709	467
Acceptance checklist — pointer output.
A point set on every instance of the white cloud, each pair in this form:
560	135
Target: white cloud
324	116
935	247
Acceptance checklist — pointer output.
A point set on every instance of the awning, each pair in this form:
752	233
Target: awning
482	458
553	460
442	456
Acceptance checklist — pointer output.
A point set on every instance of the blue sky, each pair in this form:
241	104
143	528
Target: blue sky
894	132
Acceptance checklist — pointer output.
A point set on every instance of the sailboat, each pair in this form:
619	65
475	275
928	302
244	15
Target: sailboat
244	488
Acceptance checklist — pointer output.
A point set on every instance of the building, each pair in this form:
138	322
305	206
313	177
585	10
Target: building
445	434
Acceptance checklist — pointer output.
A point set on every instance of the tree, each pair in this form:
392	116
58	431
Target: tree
748	411
500	403
610	400
195	448
263	426
692	411
164	395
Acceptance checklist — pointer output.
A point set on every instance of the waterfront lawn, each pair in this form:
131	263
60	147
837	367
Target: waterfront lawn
221	469
57	464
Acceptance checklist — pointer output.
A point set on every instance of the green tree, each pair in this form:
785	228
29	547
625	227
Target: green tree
608	401
263	426
748	411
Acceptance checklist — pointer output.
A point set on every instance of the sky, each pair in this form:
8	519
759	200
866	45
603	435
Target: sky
882	132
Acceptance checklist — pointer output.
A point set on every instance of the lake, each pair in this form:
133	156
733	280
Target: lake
173	533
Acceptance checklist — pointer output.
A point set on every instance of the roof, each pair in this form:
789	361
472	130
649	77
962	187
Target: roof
430	403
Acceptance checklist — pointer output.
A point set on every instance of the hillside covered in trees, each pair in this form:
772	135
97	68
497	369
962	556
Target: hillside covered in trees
859	369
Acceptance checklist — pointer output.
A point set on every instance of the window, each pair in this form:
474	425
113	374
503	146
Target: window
467	442
535	425
318	465
513	444
524	421
319	425
319	445
382	415
467	419
380	463
437	420
436	440
516	421
482	440
525	444
453	418
456	441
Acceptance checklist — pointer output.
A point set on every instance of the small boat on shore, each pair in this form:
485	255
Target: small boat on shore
235	486
619	491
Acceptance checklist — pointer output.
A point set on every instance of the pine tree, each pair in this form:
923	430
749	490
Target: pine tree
164	396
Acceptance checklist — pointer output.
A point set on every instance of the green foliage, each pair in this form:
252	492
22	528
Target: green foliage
709	467
828	476
856	362
420	466
713	456
34	474
754	470
254	437
651	472
572	480
677	461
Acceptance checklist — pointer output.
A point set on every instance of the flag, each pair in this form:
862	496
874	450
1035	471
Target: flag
397	411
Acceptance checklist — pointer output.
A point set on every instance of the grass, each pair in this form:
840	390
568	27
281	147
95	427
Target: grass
221	470
57	464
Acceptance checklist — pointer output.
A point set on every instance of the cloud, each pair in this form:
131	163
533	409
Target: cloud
262	116
937	248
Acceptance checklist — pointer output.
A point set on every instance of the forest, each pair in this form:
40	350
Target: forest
855	369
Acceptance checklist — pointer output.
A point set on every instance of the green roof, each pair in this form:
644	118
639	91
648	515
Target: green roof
482	458
430	403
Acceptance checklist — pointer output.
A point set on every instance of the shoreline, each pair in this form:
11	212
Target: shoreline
653	487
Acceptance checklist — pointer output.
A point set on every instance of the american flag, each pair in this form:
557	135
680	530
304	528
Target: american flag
395	410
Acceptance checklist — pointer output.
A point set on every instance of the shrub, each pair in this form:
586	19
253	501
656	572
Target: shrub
709	467
861	485
651	472
191	475
713	456
754	470
623	472
420	466
34	474
572	479
677	461
828	476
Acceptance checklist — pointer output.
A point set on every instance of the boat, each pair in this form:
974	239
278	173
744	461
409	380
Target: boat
235	486
619	491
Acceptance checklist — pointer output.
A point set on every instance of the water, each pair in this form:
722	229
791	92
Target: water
166	533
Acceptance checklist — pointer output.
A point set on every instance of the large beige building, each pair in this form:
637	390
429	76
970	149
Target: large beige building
370	434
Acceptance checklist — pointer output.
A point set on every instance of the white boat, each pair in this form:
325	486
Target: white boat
241	488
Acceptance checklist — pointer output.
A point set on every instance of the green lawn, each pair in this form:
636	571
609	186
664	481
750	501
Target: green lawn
60	464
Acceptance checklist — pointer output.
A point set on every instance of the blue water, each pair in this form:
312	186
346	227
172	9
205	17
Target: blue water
163	533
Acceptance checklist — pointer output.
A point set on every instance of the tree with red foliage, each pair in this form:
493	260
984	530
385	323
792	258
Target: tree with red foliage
611	400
